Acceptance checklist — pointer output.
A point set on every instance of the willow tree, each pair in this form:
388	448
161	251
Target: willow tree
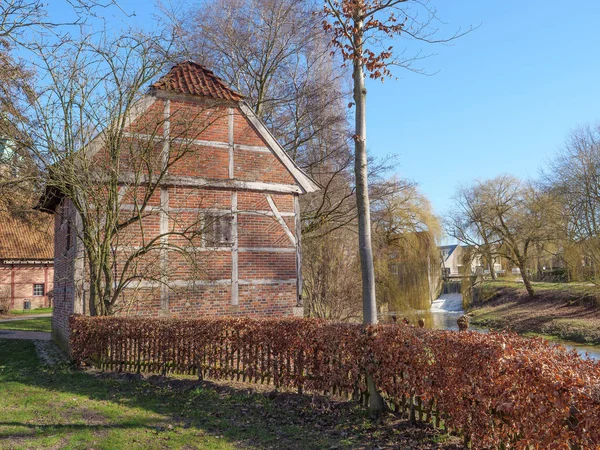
406	233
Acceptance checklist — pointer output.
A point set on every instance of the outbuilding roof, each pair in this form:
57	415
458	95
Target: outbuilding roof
191	78
26	238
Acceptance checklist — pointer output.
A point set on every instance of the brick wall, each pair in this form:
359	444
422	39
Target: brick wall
17	280
64	286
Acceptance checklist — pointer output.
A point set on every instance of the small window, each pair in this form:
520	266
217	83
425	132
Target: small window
68	238
38	290
218	229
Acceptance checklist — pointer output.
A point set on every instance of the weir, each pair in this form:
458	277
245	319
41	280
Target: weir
452	287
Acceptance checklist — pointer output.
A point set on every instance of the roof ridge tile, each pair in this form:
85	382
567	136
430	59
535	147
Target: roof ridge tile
192	78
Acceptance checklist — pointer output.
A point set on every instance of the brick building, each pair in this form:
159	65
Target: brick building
26	261
242	184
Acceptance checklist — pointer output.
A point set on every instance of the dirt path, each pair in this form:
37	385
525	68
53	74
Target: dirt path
28	335
31	316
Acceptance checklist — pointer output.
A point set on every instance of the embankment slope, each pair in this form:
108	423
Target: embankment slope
569	311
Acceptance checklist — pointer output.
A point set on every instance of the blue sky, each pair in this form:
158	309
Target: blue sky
503	99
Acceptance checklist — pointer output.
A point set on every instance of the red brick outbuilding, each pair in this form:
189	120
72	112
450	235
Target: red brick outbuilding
26	261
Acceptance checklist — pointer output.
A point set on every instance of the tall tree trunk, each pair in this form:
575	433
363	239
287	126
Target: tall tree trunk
362	195
93	292
376	405
492	271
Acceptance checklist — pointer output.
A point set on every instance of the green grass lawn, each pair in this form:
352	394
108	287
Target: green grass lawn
575	288
63	408
26	312
37	324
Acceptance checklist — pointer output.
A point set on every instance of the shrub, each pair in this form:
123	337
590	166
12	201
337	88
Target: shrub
5	300
495	389
558	275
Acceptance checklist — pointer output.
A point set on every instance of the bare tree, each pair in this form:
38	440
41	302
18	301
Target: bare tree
518	214
26	25
277	54
263	48
331	269
19	19
108	167
467	223
573	179
5	299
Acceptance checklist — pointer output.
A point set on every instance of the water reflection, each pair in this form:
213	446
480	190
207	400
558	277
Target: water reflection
588	352
442	315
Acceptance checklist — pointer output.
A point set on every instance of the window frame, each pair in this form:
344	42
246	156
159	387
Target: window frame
218	230
43	285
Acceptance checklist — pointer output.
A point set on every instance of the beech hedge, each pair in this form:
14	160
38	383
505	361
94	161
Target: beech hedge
498	390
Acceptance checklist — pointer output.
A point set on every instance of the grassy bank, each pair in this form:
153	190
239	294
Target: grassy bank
26	312
63	408
37	324
569	311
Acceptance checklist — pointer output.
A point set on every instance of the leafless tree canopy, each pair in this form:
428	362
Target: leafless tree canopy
572	179
552	222
276	53
75	131
467	223
503	216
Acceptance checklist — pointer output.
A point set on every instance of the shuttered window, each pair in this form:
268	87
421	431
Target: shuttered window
218	229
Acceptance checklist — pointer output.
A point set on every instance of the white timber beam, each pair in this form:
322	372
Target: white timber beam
235	299
198	142
279	219
200	182
164	216
298	230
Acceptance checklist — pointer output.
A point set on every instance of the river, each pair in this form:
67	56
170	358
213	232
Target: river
448	308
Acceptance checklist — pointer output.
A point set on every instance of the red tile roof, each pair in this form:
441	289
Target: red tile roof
26	239
191	78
